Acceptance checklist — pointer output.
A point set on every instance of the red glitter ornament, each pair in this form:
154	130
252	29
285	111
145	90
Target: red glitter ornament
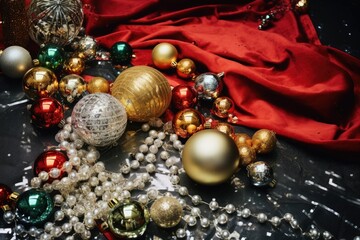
48	160
183	96
5	193
47	112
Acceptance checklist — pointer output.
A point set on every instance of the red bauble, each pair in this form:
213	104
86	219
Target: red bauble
47	112
48	160
5	193
183	96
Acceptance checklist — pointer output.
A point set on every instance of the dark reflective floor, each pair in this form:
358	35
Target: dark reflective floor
318	189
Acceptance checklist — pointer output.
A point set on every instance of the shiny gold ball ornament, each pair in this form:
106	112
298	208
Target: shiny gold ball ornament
186	68
164	56
98	84
242	139
264	141
72	87
247	154
210	157
187	122
166	212
144	92
223	106
74	65
225	128
39	82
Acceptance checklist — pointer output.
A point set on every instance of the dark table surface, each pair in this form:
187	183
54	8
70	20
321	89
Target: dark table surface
318	189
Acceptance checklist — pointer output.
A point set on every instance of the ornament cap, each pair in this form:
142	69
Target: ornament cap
113	202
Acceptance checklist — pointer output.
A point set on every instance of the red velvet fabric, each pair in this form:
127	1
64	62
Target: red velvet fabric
281	78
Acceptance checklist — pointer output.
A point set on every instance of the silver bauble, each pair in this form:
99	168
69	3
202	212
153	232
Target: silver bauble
15	61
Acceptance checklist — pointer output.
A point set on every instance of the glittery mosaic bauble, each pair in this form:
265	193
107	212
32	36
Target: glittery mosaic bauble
48	160
99	119
185	68
183	96
72	87
98	84
127	219
5	192
223	106
34	207
46	112
210	157
144	92
86	48
187	122
55	21
166	212
121	53
247	154
74	65
209	85
15	61
264	141
242	139
164	56
51	56
260	174
39	82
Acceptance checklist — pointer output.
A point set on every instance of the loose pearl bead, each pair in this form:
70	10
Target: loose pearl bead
326	235
149	140
183	191
150	158
143	199
174	169
178	144
288	217
145	127
134	164
150	168
59	215
314	234
79	227
175	180
56	232
35	182
196	212
173	137
9	217
191	221
164	155
139	156
161	135
225	234
48	227
158	143
153	133
32	231
44	176
153	149
294	224
143	148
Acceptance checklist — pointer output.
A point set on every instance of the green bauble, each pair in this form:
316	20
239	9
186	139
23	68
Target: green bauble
51	56
128	219
34	207
121	53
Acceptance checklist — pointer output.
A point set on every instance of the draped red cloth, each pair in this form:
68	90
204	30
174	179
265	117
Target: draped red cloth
281	78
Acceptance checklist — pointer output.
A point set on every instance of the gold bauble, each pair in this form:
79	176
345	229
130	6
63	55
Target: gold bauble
144	92
264	141
242	139
98	84
222	107
164	56
247	154
187	122
72	87
210	157
74	65
225	128
39	82
166	212
186	68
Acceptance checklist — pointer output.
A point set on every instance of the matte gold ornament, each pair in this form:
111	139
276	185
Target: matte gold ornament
187	122
144	92
74	65
72	87
242	139
164	56
98	84
166	212
264	141
247	154
39	82
210	157
186	68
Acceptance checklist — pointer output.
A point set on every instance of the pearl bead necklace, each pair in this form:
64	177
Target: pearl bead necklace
82	196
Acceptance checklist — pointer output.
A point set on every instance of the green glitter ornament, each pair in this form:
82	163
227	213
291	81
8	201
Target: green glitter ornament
121	53
34	207
128	219
52	57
